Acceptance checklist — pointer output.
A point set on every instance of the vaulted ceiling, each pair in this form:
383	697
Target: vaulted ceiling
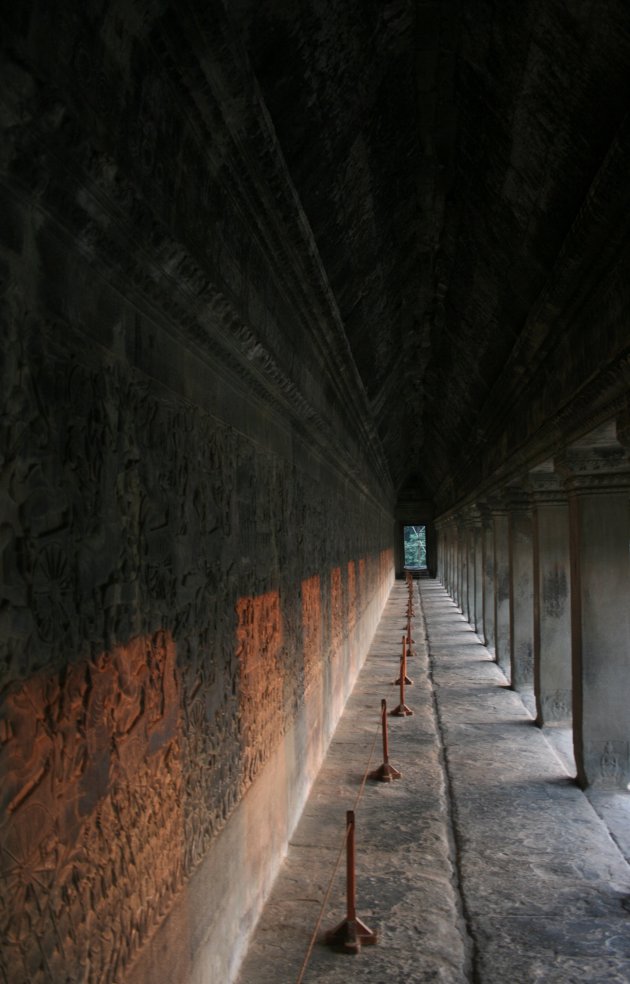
442	153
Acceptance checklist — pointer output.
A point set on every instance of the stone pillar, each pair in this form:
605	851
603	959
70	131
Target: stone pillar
474	594
456	564
521	590
487	539
598	486
452	566
471	539
439	535
462	580
478	569
468	572
501	539
552	609
445	536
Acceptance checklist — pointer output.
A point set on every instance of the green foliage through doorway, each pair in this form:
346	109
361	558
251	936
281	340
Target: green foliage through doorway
415	538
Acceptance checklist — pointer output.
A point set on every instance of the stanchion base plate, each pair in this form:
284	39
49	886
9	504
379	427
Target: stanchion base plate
385	773
350	935
408	682
401	711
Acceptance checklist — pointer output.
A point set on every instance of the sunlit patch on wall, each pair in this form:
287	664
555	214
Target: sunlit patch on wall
261	683
336	611
311	630
362	580
91	823
352	597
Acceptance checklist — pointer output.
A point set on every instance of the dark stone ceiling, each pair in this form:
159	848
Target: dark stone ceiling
441	152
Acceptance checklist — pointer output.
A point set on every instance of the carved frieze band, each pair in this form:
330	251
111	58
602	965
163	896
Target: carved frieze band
154	647
200	244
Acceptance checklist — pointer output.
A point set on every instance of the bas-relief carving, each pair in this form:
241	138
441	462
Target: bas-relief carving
524	663
91	836
556	706
555	591
126	510
80	744
336	612
260	655
108	198
502	585
607	762
362	582
312	631
351	604
610	765
118	785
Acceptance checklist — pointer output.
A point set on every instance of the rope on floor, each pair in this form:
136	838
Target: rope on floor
342	848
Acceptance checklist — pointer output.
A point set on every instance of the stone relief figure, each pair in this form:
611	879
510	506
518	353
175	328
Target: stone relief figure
609	762
54	593
261	683
555	592
120	508
91	756
26	753
558	706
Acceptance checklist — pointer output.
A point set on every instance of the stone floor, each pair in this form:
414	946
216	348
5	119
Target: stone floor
484	863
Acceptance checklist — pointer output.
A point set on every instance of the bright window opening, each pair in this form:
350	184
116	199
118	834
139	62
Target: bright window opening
415	539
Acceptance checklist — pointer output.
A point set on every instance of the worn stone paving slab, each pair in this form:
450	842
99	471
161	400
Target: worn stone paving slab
545	889
405	887
484	864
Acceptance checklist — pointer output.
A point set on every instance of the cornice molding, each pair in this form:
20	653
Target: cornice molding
106	213
597	243
583	484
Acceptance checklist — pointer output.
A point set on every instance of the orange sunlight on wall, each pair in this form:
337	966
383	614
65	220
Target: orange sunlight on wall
92	825
259	635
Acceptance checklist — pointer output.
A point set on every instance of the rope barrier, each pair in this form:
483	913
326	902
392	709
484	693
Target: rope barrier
351	933
386	772
349	832
342	848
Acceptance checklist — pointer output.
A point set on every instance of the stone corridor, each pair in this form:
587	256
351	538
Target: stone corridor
485	862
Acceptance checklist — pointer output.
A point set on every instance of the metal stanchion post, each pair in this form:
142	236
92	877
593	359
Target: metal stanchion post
403	664
385	772
402	710
352	933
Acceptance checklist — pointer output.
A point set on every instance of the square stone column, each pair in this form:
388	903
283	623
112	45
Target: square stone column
446	548
474	599
439	534
462	579
468	599
501	541
552	608
446	531
598	488
487	543
521	589
469	594
478	573
452	558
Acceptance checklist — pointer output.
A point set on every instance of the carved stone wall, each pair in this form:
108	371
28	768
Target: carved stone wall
195	532
157	641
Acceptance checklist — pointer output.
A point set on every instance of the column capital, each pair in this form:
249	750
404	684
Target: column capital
517	497
597	462
460	519
485	513
496	503
472	515
545	486
623	426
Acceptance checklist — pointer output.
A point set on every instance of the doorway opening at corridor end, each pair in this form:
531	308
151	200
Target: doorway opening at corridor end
415	544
